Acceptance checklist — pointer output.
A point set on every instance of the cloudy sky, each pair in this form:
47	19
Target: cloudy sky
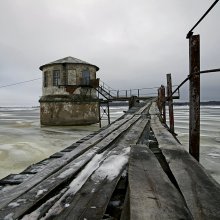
134	43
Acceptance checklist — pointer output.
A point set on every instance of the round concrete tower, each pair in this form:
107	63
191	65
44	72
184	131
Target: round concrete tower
69	95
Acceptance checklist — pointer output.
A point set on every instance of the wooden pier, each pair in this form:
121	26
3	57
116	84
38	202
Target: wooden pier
132	169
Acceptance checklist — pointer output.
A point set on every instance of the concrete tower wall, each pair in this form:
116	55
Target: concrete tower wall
68	94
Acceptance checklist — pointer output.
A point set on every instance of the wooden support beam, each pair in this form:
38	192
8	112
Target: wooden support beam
194	96
170	102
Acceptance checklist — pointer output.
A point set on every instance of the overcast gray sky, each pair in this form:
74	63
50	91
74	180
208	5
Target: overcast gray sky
134	43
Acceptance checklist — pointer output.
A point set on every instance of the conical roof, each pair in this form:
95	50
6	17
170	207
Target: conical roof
68	60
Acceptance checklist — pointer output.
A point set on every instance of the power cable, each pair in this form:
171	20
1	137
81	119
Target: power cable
190	33
13	84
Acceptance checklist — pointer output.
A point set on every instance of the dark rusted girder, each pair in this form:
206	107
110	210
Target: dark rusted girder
170	102
194	96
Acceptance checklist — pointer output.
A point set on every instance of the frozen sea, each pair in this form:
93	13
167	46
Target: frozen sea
24	142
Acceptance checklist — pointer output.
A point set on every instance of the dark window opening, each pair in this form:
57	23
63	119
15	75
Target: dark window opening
46	79
85	77
56	78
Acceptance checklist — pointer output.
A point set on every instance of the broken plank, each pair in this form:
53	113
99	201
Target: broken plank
152	195
200	190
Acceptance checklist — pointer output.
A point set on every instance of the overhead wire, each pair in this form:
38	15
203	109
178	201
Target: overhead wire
190	33
13	84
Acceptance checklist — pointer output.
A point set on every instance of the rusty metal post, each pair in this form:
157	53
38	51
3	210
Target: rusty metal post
170	102
194	96
158	98
100	119
109	121
132	101
163	103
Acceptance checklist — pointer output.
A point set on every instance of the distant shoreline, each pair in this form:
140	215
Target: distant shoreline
201	103
206	103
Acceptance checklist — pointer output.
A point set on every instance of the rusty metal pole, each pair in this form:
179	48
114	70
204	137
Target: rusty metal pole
159	100
194	96
170	102
109	121
163	102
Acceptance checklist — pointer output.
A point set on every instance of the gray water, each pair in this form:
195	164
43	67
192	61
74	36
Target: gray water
24	142
209	137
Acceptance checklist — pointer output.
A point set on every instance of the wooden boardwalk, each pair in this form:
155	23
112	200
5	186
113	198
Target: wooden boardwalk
132	169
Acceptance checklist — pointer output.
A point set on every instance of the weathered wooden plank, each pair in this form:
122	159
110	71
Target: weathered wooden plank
152	195
200	190
52	182
59	163
125	214
92	199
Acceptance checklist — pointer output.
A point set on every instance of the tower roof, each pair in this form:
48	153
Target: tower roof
68	60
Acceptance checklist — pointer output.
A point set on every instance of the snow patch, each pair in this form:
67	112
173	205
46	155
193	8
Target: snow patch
9	216
76	184
112	166
40	192
214	155
22	200
13	204
65	173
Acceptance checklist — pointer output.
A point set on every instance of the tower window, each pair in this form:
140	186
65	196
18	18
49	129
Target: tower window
45	79
56	77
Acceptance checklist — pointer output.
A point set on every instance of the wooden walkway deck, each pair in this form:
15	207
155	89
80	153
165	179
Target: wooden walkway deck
132	169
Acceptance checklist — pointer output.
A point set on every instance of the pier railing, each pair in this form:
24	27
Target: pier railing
125	94
166	97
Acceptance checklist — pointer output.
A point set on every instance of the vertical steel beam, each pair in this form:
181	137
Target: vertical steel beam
163	103
170	102
194	96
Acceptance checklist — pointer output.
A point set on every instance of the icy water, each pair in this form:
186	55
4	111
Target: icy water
209	139
23	141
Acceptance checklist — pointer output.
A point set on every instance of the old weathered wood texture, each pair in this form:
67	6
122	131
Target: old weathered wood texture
200	190
152	195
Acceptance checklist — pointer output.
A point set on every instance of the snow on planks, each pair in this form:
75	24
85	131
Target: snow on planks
200	190
49	185
59	163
